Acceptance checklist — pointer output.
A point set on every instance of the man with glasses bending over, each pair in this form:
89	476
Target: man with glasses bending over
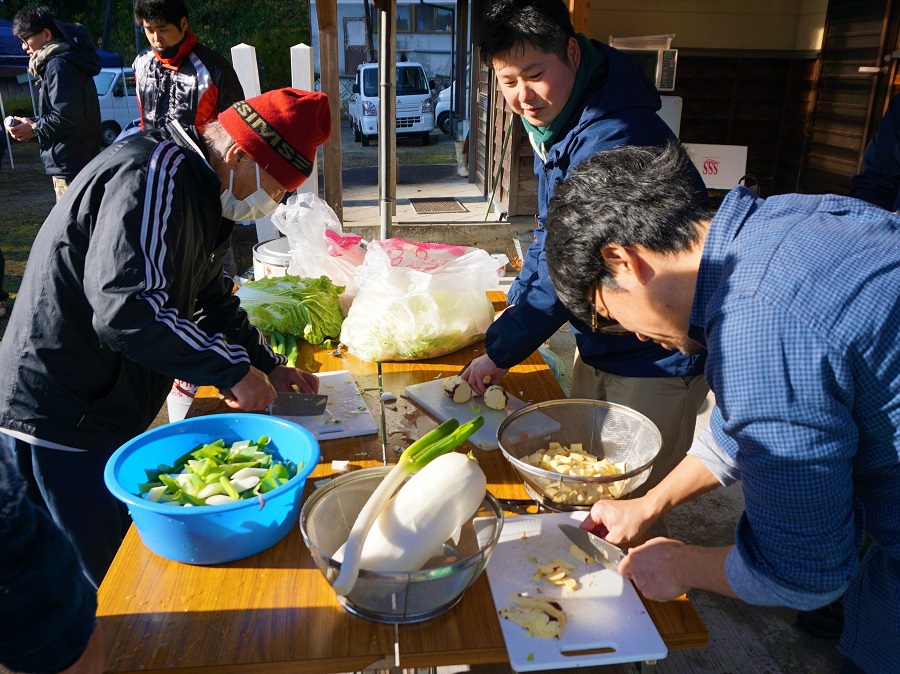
68	127
795	300
576	97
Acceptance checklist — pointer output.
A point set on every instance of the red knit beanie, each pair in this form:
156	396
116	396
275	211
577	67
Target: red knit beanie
281	130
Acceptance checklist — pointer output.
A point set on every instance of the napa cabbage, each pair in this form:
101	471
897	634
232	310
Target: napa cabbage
306	307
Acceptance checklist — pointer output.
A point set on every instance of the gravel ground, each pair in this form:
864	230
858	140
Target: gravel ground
409	150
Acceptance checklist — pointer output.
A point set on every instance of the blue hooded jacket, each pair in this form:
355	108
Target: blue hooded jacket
879	181
620	111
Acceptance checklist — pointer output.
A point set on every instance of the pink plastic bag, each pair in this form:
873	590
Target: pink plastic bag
426	257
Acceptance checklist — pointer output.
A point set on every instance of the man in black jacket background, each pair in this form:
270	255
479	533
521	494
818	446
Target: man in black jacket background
68	127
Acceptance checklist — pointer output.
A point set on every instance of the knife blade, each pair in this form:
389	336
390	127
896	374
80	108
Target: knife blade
604	552
298	404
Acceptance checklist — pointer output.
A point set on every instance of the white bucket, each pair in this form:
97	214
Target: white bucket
271	258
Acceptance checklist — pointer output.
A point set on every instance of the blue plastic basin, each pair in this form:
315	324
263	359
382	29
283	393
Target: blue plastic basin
212	534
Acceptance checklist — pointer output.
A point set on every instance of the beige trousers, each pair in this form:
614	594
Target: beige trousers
672	403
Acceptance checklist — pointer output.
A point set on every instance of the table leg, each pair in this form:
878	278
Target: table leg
645	667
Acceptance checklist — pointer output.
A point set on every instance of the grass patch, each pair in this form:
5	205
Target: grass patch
27	196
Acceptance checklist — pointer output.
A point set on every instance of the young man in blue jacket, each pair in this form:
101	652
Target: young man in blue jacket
576	97
879	181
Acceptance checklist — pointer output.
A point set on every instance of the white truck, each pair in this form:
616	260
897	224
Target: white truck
118	103
415	106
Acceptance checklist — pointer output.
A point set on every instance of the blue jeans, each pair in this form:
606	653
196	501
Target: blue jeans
70	486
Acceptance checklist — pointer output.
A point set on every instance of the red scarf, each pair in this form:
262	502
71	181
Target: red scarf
185	48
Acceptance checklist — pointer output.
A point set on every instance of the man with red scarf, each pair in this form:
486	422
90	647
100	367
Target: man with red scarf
177	77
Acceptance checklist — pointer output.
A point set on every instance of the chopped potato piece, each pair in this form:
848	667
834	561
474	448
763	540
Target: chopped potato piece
575	461
556	571
580	555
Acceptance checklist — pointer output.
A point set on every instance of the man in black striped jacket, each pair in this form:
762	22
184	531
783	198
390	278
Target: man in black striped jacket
124	291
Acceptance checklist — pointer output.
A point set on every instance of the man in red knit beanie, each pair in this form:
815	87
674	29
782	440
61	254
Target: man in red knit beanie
280	130
124	291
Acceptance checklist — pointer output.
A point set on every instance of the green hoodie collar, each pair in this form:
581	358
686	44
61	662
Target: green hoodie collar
592	64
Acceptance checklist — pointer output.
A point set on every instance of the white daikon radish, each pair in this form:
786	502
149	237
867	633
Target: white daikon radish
419	454
425	512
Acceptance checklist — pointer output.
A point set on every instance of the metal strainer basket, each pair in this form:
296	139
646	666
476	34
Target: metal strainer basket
605	430
326	520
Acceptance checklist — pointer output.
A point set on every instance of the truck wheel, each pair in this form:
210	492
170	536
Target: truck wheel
110	132
426	138
365	139
444	122
355	132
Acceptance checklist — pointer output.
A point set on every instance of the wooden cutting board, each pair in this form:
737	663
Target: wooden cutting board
431	397
346	414
604	613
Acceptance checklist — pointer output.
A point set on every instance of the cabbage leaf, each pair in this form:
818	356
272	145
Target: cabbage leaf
306	307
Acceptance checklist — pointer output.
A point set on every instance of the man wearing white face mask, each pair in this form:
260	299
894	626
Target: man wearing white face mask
124	292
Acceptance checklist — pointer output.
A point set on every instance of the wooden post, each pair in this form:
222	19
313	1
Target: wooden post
326	11
243	56
302	77
581	15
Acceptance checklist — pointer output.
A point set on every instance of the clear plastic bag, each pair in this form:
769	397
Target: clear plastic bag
420	300
318	244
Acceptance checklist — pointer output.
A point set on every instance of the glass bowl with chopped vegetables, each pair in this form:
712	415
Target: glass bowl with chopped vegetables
214	489
572	453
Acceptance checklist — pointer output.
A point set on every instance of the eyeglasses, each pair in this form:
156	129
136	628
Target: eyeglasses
605	325
26	38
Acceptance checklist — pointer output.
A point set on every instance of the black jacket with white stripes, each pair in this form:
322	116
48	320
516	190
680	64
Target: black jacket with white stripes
124	291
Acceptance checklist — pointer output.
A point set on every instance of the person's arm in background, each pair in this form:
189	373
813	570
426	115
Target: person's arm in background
48	607
136	68
879	181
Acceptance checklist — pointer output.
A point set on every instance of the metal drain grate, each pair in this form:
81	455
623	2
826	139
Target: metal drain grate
437	205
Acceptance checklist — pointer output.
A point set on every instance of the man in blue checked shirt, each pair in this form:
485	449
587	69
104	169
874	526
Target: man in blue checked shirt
796	300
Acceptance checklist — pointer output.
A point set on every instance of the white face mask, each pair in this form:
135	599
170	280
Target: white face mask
255	207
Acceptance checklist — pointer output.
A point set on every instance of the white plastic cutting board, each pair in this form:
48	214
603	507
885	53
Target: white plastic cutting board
430	396
346	414
605	612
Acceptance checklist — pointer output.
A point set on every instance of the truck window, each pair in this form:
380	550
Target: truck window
370	82
411	80
102	81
